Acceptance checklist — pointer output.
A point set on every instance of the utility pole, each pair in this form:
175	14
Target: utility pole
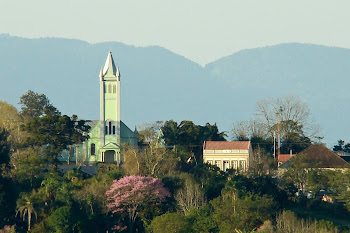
278	133
278	139
274	145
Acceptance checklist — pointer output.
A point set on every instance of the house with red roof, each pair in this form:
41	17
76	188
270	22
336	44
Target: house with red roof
282	158
318	156
227	154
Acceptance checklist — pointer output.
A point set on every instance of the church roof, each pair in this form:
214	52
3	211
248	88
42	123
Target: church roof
125	130
110	70
91	123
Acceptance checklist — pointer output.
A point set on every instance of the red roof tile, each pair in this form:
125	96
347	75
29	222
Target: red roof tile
284	157
223	145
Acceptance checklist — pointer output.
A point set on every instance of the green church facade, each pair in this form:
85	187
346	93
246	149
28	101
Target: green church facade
108	133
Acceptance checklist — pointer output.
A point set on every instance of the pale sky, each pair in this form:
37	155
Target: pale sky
201	30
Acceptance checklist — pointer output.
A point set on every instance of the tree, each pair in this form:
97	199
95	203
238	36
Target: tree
54	132
155	158
201	219
187	139
27	167
151	160
48	128
341	146
11	121
62	220
242	214
132	160
297	172
25	207
4	148
171	223
51	186
288	109
294	141
261	163
246	130
211	179
130	194
92	202
287	221
150	133
8	197
197	220
190	195
287	117
35	105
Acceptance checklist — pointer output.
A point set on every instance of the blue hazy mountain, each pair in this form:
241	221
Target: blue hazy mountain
160	85
156	84
320	75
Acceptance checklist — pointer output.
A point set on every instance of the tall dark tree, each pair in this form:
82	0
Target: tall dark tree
54	133
187	138
294	142
35	105
293	137
341	146
49	129
7	201
4	147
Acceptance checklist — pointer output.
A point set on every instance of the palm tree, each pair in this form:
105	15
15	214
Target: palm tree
25	208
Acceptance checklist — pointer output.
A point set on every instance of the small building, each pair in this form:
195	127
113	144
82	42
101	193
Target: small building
225	155
282	158
318	156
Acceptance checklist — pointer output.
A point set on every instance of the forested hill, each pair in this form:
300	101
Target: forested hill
160	85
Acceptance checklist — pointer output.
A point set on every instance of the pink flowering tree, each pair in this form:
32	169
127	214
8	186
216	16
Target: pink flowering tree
129	194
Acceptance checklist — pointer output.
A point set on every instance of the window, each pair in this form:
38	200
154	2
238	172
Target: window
109	88
242	164
114	89
210	162
92	149
113	129
234	164
218	163
106	130
226	165
110	127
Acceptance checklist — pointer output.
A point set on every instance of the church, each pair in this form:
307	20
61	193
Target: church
108	133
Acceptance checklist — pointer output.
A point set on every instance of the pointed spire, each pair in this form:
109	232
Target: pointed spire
101	74
117	73
109	67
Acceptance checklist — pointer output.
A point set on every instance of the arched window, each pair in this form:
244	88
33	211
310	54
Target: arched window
110	127
113	129
109	88
106	130
92	149
114	89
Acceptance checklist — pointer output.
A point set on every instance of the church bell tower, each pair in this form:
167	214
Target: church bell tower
109	103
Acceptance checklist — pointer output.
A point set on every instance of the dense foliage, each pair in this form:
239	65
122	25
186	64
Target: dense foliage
162	186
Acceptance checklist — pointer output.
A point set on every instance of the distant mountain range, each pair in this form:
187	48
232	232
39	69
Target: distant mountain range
160	85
